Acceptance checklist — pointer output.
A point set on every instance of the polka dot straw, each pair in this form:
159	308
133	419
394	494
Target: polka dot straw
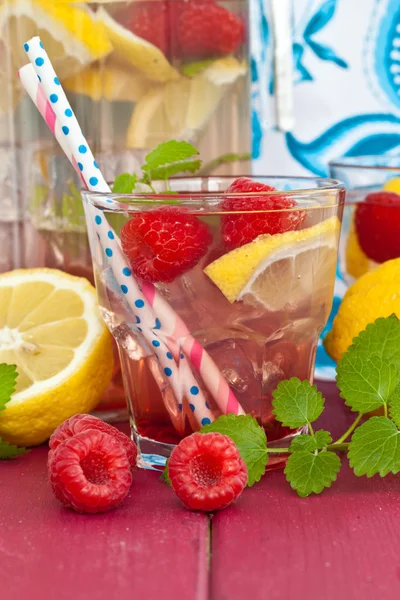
62	122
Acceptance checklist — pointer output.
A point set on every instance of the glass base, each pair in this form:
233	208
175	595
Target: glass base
154	455
116	415
151	455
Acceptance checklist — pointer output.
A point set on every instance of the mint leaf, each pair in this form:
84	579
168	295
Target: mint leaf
297	403
210	166
310	473
394	405
381	338
250	439
165	476
124	183
375	448
8	379
170	158
366	382
193	68
307	442
8	451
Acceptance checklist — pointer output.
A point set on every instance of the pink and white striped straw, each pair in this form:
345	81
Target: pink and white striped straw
49	97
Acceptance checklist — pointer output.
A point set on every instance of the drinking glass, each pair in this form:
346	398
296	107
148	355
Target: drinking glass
369	236
219	326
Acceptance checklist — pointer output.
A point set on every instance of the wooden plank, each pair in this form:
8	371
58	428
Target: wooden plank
150	547
341	544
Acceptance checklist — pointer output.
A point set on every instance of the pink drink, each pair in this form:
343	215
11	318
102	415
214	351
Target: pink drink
253	346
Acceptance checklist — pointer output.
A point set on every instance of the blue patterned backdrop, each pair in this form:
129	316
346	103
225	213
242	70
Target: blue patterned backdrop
346	91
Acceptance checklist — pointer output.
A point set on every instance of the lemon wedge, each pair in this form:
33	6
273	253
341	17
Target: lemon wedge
72	36
111	80
281	270
51	329
181	109
133	50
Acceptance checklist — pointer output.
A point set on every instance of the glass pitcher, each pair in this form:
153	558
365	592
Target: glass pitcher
137	73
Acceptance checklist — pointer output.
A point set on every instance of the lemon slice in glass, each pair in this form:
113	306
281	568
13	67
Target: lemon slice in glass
51	329
283	270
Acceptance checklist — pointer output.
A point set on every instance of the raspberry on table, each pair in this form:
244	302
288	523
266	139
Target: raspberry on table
206	30
207	472
90	472
377	223
245	227
162	245
80	423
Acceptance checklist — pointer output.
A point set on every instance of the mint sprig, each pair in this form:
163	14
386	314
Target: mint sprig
165	161
319	441
309	473
169	159
368	377
375	448
365	381
124	183
250	439
305	406
8	380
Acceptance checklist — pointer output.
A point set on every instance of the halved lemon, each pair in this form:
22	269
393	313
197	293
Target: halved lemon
72	36
180	109
51	329
282	270
131	49
111	80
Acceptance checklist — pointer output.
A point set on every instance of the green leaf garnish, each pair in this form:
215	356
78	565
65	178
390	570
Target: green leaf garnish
297	403
170	158
250	439
394	405
193	68
8	379
375	448
366	382
225	159
320	440
381	338
124	183
8	451
310	473
165	476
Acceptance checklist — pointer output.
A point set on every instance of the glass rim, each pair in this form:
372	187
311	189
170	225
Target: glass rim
211	198
356	162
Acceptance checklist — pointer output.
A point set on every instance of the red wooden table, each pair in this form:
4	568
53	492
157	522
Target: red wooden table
342	544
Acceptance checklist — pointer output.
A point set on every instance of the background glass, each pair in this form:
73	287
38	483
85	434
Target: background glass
362	175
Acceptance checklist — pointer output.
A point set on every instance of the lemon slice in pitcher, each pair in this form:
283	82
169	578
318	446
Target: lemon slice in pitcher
133	50
281	270
51	329
181	109
72	36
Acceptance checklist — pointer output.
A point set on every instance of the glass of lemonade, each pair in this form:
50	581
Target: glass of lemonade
371	218
240	278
